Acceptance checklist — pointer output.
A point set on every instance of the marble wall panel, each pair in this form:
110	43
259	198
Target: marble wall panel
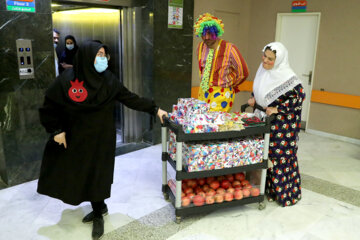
22	136
172	57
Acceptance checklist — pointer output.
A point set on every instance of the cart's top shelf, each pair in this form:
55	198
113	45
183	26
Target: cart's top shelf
181	136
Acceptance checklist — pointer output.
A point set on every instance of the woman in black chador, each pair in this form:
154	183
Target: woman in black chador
78	162
67	56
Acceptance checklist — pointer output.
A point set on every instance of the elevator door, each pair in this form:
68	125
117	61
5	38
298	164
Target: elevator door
101	24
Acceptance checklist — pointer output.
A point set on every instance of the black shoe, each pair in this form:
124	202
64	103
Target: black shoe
89	218
98	228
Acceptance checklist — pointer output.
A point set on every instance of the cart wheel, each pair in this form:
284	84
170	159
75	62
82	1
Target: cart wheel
166	196
262	205
178	220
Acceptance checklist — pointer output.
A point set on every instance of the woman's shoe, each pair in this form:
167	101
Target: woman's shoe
89	218
98	228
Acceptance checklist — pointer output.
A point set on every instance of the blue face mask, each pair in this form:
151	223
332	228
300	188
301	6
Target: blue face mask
101	64
70	46
55	45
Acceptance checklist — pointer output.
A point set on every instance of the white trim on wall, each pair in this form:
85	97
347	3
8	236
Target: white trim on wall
333	136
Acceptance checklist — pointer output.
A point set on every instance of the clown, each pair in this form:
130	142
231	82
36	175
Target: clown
221	67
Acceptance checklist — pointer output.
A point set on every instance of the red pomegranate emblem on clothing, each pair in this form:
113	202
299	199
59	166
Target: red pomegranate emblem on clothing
77	92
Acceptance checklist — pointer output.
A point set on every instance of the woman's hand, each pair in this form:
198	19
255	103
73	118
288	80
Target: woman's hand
251	101
65	65
271	110
162	113
60	139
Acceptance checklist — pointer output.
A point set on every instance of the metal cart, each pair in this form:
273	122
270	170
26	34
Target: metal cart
181	174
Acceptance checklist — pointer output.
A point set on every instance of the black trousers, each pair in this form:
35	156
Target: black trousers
97	208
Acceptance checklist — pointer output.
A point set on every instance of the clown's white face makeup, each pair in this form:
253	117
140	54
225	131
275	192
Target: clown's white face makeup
268	59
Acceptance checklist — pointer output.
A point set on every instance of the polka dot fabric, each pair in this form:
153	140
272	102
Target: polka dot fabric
283	182
220	99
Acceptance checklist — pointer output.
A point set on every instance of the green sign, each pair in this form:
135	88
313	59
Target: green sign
20	9
175	16
176	3
20	5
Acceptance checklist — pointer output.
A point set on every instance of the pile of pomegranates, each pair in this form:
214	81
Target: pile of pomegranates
215	189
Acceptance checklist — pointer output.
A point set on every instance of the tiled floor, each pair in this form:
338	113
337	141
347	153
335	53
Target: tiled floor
329	210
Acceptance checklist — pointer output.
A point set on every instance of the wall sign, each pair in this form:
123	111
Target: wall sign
299	6
21	5
175	17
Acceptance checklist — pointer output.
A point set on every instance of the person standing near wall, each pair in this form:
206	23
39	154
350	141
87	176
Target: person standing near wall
56	37
67	56
78	112
221	66
279	91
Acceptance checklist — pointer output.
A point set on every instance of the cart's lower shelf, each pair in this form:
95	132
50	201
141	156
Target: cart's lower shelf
184	211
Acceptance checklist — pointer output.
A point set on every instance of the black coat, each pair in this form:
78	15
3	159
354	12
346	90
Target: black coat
84	170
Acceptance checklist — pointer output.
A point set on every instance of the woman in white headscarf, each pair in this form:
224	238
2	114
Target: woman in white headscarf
279	91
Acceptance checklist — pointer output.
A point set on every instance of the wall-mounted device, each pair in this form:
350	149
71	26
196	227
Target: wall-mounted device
25	58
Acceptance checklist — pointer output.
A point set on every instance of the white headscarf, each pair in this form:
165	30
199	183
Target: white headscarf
269	85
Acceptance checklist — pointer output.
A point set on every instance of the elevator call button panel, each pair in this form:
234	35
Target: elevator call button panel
25	58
